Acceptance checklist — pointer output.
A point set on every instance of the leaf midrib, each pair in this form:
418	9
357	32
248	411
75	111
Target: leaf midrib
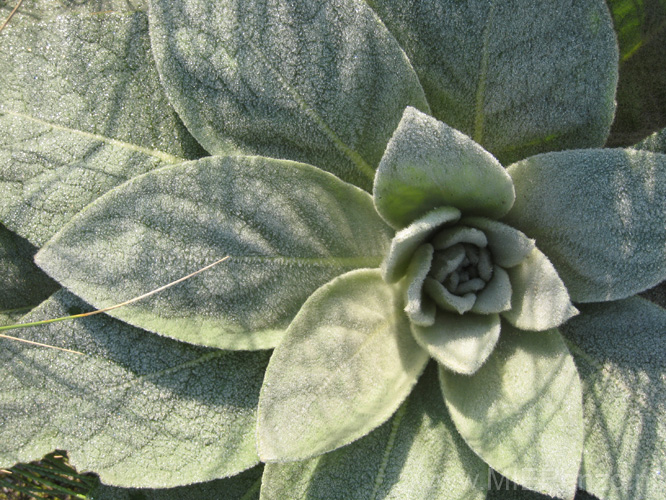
353	156
483	75
161	155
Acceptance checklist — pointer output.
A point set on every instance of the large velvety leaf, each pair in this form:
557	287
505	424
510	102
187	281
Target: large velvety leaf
346	364
244	486
22	284
287	227
620	350
428	165
521	412
599	216
81	111
36	10
539	300
138	409
318	82
416	455
520	77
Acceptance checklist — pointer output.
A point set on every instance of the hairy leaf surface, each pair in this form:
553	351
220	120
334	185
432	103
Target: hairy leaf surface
620	350
599	216
36	10
519	77
522	411
138	409
346	364
416	454
318	82
428	165
287	227
81	111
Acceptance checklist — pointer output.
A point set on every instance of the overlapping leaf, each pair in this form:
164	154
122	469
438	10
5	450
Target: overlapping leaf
287	227
36	10
318	82
620	350
525	418
345	365
519	77
138	409
406	458
599	215
81	111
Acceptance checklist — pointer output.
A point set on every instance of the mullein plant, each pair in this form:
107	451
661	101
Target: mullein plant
432	267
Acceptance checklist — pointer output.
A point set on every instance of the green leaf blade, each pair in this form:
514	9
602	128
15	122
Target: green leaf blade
521	412
405	458
125	407
619	350
501	72
428	165
599	216
319	83
288	229
63	144
346	363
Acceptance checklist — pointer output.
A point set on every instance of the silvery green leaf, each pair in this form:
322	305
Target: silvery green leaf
126	408
22	284
408	239
521	412
496	296
36	10
519	77
81	111
655	142
419	308
287	227
599	216
346	363
244	486
620	350
324	83
417	454
460	343
428	165
539	299
508	246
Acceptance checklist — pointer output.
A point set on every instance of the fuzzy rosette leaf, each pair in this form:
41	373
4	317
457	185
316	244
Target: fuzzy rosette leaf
81	111
287	228
126	405
460	268
429	165
620	350
599	215
345	365
406	458
522	411
520	77
324	83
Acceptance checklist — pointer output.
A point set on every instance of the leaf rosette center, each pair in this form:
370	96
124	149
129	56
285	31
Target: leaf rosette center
460	269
